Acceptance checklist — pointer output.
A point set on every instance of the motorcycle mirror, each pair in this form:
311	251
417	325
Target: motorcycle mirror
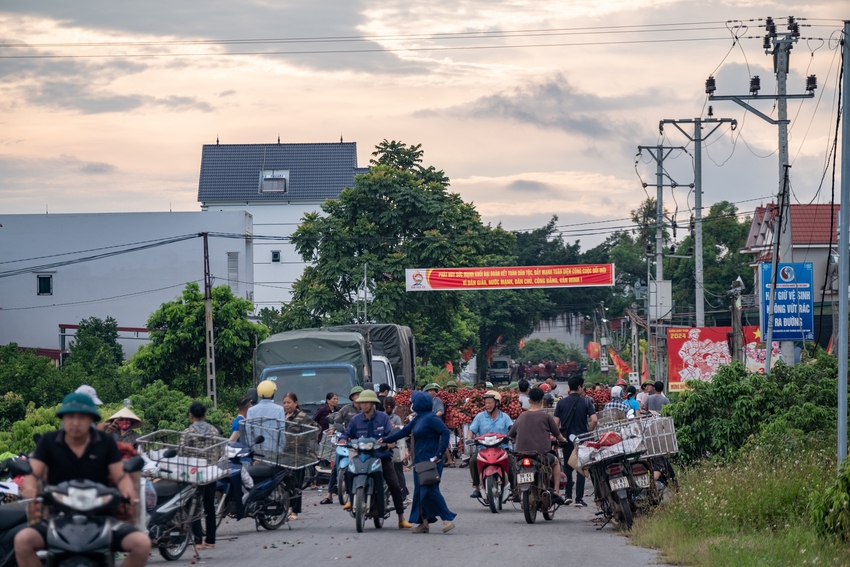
169	454
18	467
134	464
259	439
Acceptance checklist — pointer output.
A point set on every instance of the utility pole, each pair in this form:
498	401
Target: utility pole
778	45
212	392
659	153
844	257
737	331
697	139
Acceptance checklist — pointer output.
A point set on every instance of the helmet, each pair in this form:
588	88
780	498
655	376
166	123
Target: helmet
368	396
432	386
545	388
493	394
512	386
355	390
548	398
488	384
266	389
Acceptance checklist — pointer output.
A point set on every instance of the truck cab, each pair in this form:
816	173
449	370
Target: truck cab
382	373
311	382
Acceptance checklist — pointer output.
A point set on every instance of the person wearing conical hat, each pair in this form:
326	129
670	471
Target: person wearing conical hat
121	426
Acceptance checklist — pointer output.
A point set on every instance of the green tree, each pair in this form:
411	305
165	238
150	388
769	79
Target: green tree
35	378
96	342
176	353
399	215
537	350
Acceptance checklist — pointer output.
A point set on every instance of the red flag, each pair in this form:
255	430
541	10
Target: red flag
593	350
450	368
467	354
644	375
619	364
521	344
490	355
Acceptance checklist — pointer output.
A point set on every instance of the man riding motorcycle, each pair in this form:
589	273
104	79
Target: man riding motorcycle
377	425
490	420
79	452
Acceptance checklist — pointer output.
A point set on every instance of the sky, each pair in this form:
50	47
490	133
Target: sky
532	108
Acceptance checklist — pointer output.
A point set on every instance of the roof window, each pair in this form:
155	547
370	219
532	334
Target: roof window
274	180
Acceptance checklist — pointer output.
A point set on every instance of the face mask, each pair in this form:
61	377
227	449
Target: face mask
124	424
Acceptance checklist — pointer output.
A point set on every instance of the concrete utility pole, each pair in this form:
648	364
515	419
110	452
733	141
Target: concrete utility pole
844	255
697	139
208	319
779	45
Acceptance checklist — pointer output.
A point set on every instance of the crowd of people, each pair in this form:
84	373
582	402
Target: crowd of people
84	448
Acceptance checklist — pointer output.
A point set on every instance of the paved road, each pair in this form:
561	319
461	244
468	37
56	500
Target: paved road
326	534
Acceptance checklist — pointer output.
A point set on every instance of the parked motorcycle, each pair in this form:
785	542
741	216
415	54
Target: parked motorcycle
369	493
492	469
232	491
13	517
534	480
341	467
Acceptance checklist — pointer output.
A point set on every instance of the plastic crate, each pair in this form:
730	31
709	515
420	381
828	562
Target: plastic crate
285	443
199	459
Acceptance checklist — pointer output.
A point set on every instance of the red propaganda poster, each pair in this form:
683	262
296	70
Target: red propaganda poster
696	353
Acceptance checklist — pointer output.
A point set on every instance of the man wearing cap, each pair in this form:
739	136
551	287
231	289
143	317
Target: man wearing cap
377	425
617	401
79	452
646	390
490	420
438	408
340	422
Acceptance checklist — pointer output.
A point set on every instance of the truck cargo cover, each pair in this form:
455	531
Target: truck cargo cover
313	346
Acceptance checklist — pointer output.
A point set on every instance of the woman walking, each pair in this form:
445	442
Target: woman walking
431	439
295	414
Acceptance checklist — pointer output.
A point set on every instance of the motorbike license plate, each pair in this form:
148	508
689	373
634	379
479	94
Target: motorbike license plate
619	483
524	478
642	481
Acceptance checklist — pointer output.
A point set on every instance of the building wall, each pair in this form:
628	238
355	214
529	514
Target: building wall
273	280
127	287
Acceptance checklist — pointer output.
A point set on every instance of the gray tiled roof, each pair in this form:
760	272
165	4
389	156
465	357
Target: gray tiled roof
231	172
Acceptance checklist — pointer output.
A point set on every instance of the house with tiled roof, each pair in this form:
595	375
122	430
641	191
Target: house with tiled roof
814	236
278	184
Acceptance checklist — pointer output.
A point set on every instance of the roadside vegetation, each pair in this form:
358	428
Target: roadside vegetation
757	483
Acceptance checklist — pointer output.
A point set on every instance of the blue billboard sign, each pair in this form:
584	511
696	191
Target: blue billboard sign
793	311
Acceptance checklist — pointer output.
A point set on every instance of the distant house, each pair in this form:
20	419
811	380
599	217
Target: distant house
277	184
812	241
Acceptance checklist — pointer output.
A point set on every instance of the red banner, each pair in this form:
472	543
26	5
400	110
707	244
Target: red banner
697	353
514	277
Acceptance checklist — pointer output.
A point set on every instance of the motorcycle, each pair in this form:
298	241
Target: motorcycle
13	517
534	480
268	501
232	491
169	522
492	469
79	530
341	467
369	493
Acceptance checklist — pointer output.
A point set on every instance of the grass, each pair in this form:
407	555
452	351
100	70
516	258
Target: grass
749	512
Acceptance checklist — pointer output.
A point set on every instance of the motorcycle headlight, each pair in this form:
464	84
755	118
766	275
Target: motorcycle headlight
82	499
365	446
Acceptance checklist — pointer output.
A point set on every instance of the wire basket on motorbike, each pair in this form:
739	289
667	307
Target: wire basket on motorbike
651	436
184	457
285	443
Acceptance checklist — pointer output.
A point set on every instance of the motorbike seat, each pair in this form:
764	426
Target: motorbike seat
11	516
166	489
260	472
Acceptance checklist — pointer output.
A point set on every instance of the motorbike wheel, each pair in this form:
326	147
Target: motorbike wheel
379	522
341	489
624	513
494	493
529	505
175	551
549	514
222	503
359	506
281	495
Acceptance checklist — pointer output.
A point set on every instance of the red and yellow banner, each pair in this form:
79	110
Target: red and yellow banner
514	277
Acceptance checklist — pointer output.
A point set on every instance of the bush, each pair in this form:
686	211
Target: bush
829	509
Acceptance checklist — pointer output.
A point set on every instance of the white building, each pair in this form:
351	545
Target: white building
56	270
277	184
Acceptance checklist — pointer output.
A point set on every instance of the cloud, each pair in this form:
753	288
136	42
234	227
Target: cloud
228	92
528	185
552	104
81	96
97	168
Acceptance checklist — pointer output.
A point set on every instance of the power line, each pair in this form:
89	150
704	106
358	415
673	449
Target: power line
90	250
112	298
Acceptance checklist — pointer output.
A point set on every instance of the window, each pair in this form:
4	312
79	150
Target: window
233	271
275	255
274	180
45	285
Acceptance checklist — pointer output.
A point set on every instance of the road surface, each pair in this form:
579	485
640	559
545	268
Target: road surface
325	535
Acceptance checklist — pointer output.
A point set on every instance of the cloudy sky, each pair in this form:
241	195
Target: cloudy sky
532	108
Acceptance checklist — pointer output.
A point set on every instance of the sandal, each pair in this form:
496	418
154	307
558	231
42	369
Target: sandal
326	501
204	546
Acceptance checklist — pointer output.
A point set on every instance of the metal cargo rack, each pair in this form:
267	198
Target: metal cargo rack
659	436
285	443
198	459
